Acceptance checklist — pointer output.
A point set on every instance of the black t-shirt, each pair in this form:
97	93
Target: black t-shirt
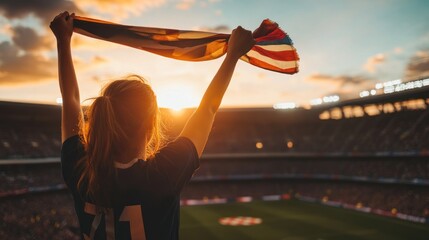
149	193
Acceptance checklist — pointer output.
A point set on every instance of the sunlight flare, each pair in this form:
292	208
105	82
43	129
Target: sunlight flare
177	97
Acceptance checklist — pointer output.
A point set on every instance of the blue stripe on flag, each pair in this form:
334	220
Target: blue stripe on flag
285	40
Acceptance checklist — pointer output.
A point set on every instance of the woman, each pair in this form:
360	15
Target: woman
124	185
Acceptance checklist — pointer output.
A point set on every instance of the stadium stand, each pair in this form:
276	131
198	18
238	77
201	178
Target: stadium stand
367	153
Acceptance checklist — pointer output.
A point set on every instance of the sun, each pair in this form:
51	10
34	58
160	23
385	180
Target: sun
177	97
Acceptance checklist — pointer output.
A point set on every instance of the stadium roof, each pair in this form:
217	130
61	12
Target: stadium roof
416	93
47	113
17	111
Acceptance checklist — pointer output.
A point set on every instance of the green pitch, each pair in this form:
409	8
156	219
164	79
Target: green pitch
294	220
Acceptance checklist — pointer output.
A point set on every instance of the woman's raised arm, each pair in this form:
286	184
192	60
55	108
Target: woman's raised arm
62	27
199	125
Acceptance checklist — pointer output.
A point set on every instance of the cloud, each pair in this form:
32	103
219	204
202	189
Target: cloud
345	86
185	4
418	65
28	40
85	64
23	58
341	80
47	9
119	9
218	12
44	9
217	29
422	54
16	68
7	51
372	62
188	4
398	50
80	42
6	29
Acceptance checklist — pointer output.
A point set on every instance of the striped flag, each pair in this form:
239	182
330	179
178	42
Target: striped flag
273	49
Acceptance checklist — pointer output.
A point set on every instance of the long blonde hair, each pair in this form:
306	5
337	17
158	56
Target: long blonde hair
118	121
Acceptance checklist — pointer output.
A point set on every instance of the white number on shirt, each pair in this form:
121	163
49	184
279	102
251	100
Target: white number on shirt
132	214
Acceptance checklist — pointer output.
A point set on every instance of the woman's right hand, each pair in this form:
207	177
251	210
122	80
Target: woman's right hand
62	26
240	42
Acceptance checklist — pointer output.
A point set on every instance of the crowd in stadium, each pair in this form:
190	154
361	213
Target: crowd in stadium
260	177
371	167
377	162
412	200
403	132
20	141
15	177
43	216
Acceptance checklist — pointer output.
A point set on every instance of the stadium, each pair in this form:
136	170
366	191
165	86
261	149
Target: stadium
355	169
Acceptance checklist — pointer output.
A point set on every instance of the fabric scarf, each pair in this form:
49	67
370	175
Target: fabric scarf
273	49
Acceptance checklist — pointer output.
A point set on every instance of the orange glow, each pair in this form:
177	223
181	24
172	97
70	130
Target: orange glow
325	198
177	97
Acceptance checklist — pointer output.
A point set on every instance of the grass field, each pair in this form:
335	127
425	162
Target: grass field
294	220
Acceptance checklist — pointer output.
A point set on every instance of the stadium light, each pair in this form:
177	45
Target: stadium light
406	86
325	99
364	94
316	101
332	98
395	86
379	86
285	105
387	90
388	84
289	144
34	144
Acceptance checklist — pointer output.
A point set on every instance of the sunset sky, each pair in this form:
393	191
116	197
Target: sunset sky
345	46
